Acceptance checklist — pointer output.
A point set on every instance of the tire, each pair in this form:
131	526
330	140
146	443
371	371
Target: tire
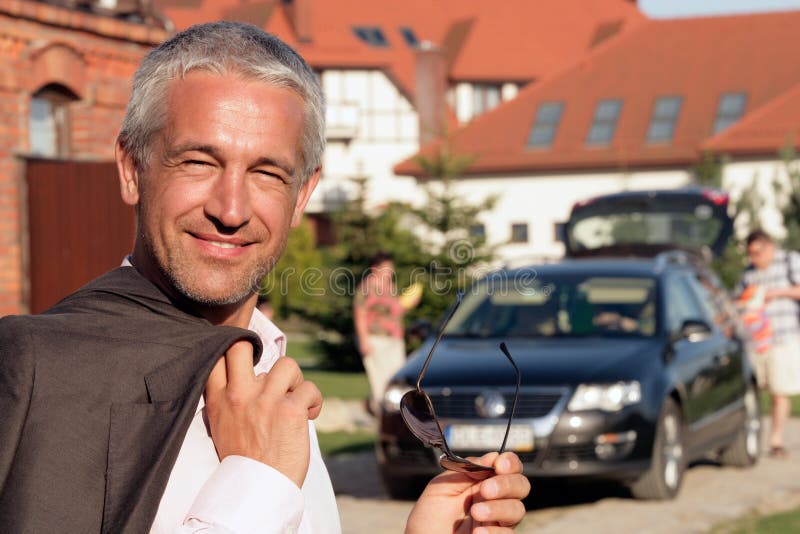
746	448
403	488
663	479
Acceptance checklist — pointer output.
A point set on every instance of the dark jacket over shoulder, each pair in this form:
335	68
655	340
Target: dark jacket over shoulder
96	396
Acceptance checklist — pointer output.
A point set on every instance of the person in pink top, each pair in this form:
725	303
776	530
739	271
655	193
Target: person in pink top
378	315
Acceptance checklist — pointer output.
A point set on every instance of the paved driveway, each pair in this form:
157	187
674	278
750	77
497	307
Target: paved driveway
710	494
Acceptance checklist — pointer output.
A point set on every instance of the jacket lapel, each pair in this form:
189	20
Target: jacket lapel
145	438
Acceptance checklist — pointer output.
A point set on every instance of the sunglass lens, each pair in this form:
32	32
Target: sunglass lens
462	465
416	412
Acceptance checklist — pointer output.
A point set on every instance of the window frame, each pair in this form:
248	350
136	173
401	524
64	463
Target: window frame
667	120
545	124
599	122
724	120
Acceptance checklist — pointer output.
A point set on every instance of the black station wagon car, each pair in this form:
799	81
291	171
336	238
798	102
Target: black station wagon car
633	361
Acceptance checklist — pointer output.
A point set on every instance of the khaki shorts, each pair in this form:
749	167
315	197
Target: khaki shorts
778	369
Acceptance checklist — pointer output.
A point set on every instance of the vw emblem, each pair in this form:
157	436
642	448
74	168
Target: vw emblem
490	404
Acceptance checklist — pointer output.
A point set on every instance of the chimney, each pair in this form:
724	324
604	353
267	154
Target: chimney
300	15
430	85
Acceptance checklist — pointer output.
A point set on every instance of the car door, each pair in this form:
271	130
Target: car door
728	355
693	358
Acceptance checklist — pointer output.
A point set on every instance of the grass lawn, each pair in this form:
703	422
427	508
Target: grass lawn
773	524
332	384
766	403
341	442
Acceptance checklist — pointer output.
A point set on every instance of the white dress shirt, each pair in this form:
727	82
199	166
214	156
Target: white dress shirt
240	495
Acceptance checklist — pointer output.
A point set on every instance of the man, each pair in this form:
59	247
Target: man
777	273
134	404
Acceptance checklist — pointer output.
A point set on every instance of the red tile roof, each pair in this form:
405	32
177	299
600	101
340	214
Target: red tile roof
765	130
698	59
520	41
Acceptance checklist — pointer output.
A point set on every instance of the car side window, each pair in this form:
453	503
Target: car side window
681	303
712	300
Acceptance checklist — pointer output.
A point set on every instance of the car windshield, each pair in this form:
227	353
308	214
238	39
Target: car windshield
564	306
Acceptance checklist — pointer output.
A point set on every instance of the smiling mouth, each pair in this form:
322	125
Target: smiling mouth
213	241
223	245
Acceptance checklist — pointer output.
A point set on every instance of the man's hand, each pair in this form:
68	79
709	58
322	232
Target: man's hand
262	417
472	503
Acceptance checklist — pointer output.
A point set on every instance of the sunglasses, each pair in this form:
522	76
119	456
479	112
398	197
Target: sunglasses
419	416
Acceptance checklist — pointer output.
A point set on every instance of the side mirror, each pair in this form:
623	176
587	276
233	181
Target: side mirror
694	330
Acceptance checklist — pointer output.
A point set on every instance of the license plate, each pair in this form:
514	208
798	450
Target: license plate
489	437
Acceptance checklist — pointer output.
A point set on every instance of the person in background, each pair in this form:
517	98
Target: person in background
776	273
158	398
378	314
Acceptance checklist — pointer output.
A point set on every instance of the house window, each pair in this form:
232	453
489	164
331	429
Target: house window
729	110
546	124
519	233
485	96
372	35
48	122
605	122
478	231
559	234
409	36
665	115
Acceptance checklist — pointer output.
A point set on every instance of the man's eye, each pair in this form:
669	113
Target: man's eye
271	175
196	162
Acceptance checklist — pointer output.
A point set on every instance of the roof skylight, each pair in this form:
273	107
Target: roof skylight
546	124
605	122
372	35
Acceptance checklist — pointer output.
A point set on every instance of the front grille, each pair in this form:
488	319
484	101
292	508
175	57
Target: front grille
567	453
461	404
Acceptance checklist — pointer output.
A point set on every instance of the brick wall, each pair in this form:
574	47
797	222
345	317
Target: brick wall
91	55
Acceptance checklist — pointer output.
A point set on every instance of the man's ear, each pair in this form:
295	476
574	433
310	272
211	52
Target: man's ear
128	176
303	196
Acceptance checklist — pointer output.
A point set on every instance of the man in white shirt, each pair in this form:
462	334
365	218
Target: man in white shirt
134	403
220	151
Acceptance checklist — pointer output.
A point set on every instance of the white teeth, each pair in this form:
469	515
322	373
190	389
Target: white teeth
223	245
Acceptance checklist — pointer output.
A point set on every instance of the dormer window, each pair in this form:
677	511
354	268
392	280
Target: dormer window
665	115
409	36
729	110
545	125
372	35
604	122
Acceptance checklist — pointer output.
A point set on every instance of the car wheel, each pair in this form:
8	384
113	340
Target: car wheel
665	475
744	451
403	488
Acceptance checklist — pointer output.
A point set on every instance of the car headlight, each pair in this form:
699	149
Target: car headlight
606	397
392	396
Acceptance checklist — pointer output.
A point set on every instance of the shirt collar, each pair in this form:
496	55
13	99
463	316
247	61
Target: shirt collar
272	337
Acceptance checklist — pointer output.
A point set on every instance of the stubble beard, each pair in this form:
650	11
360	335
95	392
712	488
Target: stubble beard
210	286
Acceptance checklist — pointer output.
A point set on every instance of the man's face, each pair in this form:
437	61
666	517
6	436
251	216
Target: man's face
222	187
761	253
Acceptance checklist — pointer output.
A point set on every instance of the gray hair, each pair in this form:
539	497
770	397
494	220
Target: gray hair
221	48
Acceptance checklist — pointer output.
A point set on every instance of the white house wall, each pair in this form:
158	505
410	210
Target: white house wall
740	176
371	127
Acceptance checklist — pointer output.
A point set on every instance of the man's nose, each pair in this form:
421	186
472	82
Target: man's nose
229	201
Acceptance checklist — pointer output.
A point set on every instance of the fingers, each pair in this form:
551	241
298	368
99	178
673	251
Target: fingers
506	512
309	396
284	376
502	494
239	364
218	378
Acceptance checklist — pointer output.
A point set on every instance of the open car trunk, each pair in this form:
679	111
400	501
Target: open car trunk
644	223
